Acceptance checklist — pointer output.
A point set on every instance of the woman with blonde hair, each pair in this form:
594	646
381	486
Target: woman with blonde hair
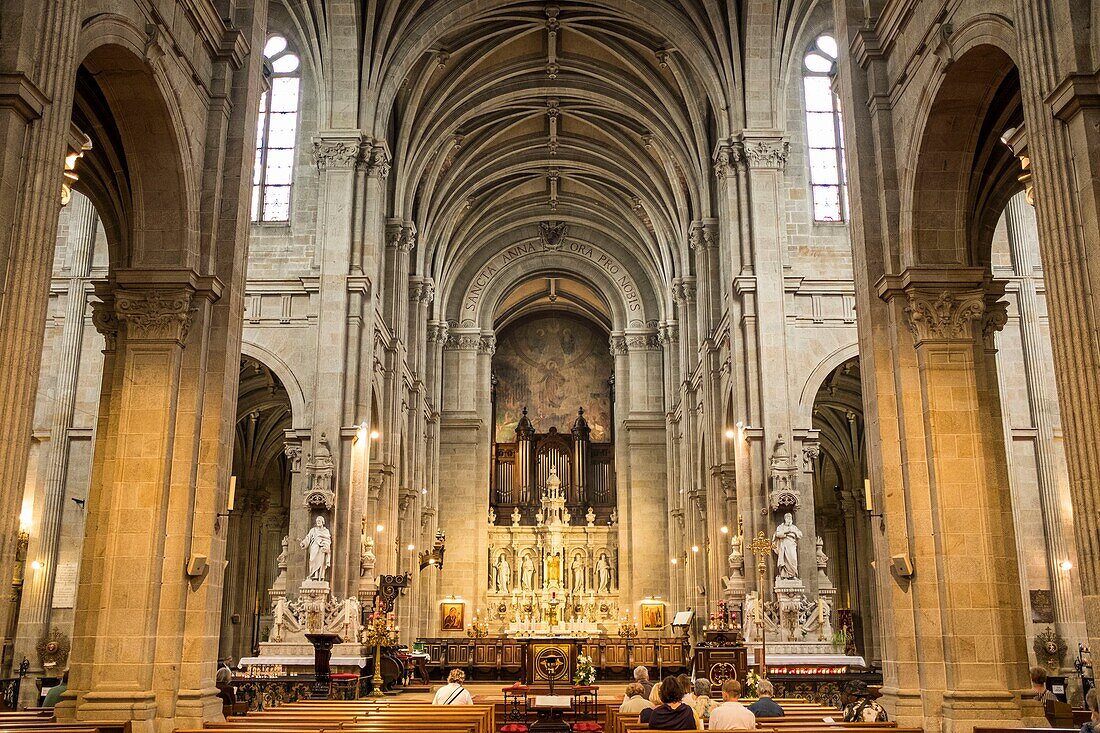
453	693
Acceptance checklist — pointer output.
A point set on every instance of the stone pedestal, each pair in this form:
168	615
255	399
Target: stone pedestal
789	594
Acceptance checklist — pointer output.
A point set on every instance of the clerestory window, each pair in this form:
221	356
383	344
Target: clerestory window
275	134
824	132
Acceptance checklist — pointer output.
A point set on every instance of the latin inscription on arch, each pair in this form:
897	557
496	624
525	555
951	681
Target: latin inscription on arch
498	262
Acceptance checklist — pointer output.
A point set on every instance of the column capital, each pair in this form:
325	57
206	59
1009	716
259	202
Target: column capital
339	149
762	149
465	340
400	235
437	332
378	161
421	290
726	160
943	305
683	289
703	234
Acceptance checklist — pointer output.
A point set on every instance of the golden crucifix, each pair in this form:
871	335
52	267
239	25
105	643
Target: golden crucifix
761	546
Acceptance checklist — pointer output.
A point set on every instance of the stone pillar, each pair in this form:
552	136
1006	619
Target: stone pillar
126	554
1067	206
961	541
37	598
36	93
1024	246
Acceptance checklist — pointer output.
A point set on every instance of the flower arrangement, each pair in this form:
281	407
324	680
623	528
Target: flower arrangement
586	673
752	680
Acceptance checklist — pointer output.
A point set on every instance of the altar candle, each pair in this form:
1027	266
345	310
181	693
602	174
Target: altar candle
820	612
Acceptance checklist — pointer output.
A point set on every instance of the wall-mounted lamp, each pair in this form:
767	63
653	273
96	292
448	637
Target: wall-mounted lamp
374	435
36	565
1066	566
380	528
730	435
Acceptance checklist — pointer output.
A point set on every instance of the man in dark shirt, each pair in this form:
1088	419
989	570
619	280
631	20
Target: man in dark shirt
766	707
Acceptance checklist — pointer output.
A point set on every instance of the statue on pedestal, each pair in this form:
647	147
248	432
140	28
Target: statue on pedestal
603	574
503	574
785	545
553	569
576	574
318	547
527	573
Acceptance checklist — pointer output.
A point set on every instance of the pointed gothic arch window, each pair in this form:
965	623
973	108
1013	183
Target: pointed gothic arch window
824	132
277	127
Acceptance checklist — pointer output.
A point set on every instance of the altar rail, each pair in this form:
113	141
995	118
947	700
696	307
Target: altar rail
502	657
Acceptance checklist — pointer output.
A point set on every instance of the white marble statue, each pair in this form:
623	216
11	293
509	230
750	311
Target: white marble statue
590	517
527	573
318	547
503	574
603	574
822	558
737	554
785	545
576	574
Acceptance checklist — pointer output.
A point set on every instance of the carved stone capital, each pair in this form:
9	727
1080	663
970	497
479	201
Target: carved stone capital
161	314
378	162
703	235
463	342
765	153
293	453
725	161
105	321
335	154
487	344
617	345
421	290
943	315
642	342
437	332
400	235
683	290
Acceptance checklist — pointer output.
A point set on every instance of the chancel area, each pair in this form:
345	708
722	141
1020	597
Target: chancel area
360	354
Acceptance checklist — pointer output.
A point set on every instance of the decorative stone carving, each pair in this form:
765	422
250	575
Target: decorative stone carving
155	314
487	344
643	342
515	517
943	316
464	342
785	545
552	234
280	562
492	516
618	346
293	453
106	322
668	334
725	164
811	450
683	290
603	574
378	163
502	575
994	319
374	486
590	517
318	546
335	154
53	650
768	154
703	235
319	490
437	332
782	474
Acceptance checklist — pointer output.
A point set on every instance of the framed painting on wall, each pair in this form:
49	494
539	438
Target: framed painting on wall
653	616
452	616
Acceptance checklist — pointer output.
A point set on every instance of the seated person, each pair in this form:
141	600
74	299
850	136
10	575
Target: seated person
1039	686
703	702
641	676
453	693
672	713
53	696
634	699
766	707
859	705
731	714
1092	704
687	687
223	681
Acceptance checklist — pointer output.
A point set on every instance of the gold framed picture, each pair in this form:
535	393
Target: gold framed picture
653	616
452	616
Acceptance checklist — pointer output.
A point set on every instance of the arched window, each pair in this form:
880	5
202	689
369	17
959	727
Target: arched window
275	133
828	175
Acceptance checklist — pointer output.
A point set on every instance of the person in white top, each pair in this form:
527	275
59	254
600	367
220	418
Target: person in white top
731	715
453	693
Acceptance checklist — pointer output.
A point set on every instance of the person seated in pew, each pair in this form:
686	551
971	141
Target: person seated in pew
1092	704
634	699
1039	686
687	686
641	676
731	714
453	693
672	713
766	707
655	694
53	696
224	682
859	704
703	702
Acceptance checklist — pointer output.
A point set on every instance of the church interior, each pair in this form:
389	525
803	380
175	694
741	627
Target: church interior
348	343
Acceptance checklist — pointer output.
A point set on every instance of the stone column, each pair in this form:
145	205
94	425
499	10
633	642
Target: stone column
968	625
37	598
37	66
1024	245
118	606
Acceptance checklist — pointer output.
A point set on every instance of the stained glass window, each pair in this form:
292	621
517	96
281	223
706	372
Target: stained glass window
273	171
824	133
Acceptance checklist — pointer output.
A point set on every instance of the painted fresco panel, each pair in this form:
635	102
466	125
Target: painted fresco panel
553	364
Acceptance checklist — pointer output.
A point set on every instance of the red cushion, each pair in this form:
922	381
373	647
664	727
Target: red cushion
514	728
345	676
587	726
